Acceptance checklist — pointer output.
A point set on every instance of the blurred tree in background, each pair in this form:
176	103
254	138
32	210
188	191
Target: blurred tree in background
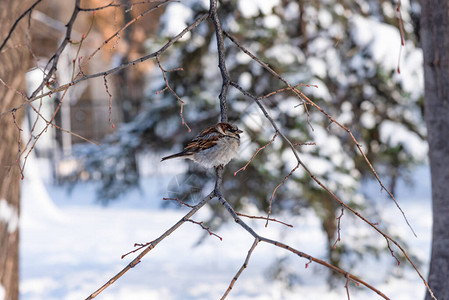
349	49
13	64
435	23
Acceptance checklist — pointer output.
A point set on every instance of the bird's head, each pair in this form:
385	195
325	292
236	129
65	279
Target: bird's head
228	129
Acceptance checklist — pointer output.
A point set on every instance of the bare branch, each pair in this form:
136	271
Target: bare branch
110	100
285	89
28	11
338	227
401	30
116	34
293	250
240	271
57	54
306	99
153	244
347	287
263	218
37	111
205	228
313	177
257	151
275	189
112	4
33	97
183	122
49	74
179	201
221	60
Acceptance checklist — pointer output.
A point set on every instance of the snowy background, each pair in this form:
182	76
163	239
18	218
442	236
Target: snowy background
71	245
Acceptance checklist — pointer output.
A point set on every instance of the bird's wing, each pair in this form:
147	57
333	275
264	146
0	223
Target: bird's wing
207	139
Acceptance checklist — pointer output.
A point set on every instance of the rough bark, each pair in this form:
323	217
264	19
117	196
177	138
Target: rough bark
435	44
13	59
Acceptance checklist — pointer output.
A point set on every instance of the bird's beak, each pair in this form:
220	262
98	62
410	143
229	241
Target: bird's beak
239	131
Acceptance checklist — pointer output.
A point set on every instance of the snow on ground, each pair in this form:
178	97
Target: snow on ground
71	245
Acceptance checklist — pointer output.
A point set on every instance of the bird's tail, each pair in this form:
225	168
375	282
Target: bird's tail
180	154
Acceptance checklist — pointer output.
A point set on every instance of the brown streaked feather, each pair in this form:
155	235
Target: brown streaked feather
207	139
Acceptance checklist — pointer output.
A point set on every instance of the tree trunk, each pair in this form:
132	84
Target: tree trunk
435	44
13	58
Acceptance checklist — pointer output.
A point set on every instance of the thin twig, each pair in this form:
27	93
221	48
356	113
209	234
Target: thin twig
263	218
293	250
205	228
55	58
213	13
139	247
257	151
19	142
243	267
314	178
110	101
306	99
37	111
392	252
338	227
179	201
28	11
285	89
347	287
401	30
34	96
183	122
116	34
113	5
275	189
153	244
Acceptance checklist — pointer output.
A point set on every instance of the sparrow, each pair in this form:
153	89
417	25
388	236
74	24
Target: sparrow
213	147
